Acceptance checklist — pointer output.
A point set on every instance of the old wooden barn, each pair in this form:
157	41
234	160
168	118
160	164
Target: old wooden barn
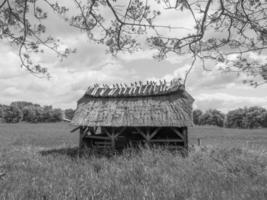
122	116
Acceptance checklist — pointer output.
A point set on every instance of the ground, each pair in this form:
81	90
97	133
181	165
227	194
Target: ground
38	161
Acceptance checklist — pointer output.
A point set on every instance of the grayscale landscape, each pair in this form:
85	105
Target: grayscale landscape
133	100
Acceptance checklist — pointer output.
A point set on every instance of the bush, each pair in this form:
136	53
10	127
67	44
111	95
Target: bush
33	114
21	104
69	113
212	117
196	116
11	114
56	115
253	117
29	112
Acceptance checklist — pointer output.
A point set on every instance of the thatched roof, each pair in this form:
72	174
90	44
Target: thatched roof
149	104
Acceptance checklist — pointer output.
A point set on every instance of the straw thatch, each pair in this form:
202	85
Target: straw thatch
148	105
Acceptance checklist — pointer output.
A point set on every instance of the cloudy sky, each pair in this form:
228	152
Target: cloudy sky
90	64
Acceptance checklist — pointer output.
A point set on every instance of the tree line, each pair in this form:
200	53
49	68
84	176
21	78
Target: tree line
247	117
21	111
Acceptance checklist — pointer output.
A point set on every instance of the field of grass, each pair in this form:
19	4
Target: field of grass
39	161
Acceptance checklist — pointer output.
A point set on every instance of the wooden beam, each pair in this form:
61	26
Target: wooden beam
112	135
103	142
75	129
142	133
97	137
185	133
121	131
166	140
178	133
66	120
92	130
154	133
81	137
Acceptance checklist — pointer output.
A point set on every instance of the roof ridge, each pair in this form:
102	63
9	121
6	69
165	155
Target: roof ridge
150	88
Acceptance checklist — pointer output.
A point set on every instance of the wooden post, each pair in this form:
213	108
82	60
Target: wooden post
198	142
144	134
113	137
147	135
83	133
185	134
81	145
81	138
113	134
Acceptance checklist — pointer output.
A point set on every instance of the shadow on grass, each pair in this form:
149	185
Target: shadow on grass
70	151
74	152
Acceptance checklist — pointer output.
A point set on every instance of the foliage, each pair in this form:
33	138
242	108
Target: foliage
69	113
212	117
248	117
21	104
32	114
217	31
1	110
29	112
11	114
196	116
253	117
56	115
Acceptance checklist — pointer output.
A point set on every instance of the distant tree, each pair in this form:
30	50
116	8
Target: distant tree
253	117
56	115
21	104
47	113
234	118
196	116
1	110
39	114
11	114
30	114
212	117
69	113
265	120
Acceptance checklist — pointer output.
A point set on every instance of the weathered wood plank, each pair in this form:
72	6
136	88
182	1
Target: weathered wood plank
97	137
185	133
75	129
166	140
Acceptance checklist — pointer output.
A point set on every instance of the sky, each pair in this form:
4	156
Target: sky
91	64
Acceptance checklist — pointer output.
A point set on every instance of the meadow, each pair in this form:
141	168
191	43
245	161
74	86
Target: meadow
40	161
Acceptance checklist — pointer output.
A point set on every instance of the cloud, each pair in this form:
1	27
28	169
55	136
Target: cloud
226	102
65	87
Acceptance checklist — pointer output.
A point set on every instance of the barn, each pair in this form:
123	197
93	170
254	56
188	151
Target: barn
123	115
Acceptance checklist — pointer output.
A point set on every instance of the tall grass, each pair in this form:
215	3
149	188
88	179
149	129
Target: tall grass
207	173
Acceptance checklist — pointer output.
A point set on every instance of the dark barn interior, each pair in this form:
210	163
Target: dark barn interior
120	138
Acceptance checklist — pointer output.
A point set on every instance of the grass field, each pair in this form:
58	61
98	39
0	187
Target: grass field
49	135
35	165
